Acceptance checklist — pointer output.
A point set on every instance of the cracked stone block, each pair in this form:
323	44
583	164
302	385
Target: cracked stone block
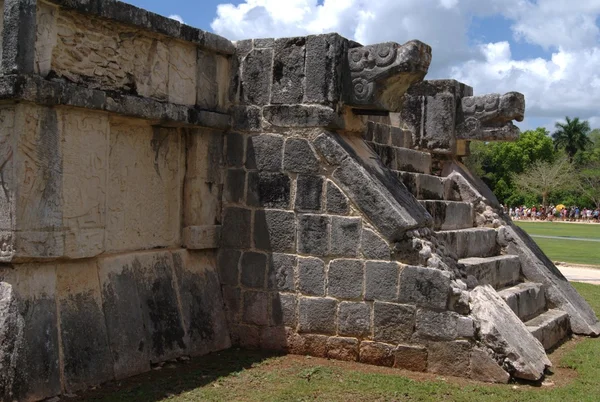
337	202
300	157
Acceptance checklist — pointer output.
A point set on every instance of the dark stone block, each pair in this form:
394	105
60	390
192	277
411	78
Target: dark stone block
255	308
254	269
345	279
302	116
256	77
281	274
235	185
337	202
381	281
275	230
264	43
265	152
381	134
311	274
300	157
235	149
124	320
228	266
424	286
269	190
232	299
313	234
246	118
345	236
283	307
374	247
236	229
393	323
288	71
316	315
330	149
354	319
309	192
324	61
18	37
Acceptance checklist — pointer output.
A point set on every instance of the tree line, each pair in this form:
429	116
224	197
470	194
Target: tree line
543	168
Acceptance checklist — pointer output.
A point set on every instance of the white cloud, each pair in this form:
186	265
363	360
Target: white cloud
567	82
176	17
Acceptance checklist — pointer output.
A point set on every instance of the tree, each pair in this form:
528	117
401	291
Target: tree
544	178
589	183
572	136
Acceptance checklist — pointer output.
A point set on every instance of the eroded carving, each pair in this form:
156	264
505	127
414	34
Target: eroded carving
380	74
489	117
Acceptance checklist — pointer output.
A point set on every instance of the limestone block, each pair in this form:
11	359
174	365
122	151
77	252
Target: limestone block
503	332
313	232
288	70
337	202
84	338
354	319
550	327
381	281
424	286
309	191
237	230
235	149
269	190
213	81
311	276
256	76
449	358
485	368
345	349
374	247
265	152
281	272
450	215
29	350
345	279
413	358
316	315
275	230
345	236
235	186
254	270
527	299
299	157
183	59
228	262
255	308
286	304
45	37
436	326
144	188
378	354
201	237
393	323
202	309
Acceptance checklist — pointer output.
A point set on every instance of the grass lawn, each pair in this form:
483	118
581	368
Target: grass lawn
237	375
573	251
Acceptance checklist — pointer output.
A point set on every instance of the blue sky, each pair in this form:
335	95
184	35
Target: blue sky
547	49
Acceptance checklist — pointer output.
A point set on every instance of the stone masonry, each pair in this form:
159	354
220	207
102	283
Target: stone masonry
169	193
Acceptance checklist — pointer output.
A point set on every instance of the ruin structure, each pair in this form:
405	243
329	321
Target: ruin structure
166	192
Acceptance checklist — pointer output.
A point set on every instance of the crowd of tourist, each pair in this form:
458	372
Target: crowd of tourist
552	213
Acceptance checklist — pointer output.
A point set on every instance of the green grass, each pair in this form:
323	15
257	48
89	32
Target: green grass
237	375
573	251
584	230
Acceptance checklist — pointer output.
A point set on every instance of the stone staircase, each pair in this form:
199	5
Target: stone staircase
475	248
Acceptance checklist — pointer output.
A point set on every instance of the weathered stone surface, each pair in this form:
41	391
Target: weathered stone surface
475	242
503	332
393	323
381	281
228	262
316	315
374	247
235	149
281	274
324	60
86	355
311	275
236	229
413	358
450	215
499	271
345	279
560	293
302	116
381	73
526	300
485	368
288	70
425	287
409	160
269	190
256	77
313	233
285	305
354	319
378	354
275	230
29	349
202	237
254	270
265	152
342	349
337	202
550	327
255	308
345	236
449	358
235	184
300	157
436	326
309	191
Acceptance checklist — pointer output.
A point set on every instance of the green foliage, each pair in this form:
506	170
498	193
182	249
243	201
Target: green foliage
572	136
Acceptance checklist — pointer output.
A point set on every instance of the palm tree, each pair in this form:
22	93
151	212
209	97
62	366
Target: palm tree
572	136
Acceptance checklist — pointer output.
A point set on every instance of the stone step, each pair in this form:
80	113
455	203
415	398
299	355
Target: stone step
409	160
423	186
449	215
386	134
527	299
472	242
499	271
550	327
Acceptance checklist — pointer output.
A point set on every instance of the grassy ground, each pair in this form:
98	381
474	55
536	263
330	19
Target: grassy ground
251	376
573	251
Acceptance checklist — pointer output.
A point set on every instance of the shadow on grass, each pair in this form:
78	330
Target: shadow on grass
177	378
